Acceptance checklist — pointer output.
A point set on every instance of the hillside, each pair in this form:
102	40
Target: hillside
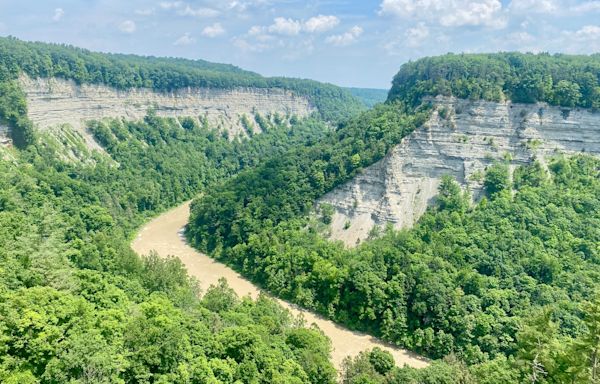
369	96
76	303
492	287
462	138
91	85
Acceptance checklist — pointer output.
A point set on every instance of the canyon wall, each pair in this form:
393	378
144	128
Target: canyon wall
460	139
54	102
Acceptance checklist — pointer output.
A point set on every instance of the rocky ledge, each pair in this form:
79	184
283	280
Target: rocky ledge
460	139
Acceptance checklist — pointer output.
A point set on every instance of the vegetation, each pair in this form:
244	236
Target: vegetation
504	289
130	71
78	306
287	186
565	80
464	281
369	96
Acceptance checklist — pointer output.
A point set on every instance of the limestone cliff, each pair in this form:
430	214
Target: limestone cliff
53	102
460	139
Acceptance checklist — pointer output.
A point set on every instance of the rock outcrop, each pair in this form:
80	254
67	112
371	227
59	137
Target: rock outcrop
460	139
54	102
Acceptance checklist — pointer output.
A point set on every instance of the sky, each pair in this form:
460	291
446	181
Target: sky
349	43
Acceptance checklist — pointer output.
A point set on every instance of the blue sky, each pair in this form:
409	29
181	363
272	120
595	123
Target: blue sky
350	43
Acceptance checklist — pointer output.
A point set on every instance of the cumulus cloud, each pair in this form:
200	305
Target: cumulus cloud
449	13
346	38
185	39
127	26
283	26
201	12
184	9
214	30
58	14
586	33
417	35
321	23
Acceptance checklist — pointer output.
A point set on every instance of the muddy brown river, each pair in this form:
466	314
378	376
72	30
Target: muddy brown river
164	234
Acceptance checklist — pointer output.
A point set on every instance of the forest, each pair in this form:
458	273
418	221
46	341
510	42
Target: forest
506	286
565	80
129	71
501	291
78	306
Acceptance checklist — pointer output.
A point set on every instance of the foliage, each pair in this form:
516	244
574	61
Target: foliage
161	74
287	186
565	80
369	96
464	280
78	306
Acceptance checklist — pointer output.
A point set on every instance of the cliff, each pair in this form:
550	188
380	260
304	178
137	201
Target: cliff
460	139
54	102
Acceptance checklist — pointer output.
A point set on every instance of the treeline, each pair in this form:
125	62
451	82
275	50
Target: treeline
501	284
369	96
160	74
564	80
287	186
78	306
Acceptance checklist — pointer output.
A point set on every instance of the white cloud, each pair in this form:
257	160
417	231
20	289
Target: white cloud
184	9
185	39
214	30
128	26
533	6
292	27
346	38
321	23
58	14
417	35
448	13
198	12
283	26
586	33
245	46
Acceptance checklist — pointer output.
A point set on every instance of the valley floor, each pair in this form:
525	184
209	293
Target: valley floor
164	235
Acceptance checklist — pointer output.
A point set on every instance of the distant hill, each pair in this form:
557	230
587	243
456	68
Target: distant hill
369	96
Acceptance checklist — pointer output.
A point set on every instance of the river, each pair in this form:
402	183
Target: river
164	234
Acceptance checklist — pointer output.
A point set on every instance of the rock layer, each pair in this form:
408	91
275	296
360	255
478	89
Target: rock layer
54	102
460	139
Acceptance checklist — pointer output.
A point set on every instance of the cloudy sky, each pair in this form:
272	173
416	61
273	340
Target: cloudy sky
352	43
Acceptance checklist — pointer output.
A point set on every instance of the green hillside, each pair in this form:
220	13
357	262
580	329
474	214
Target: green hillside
488	288
369	96
129	71
565	80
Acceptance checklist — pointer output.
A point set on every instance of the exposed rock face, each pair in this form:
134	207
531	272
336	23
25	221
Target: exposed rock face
460	139
53	102
4	135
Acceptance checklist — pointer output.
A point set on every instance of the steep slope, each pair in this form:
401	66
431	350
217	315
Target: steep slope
460	139
64	82
52	102
496	287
